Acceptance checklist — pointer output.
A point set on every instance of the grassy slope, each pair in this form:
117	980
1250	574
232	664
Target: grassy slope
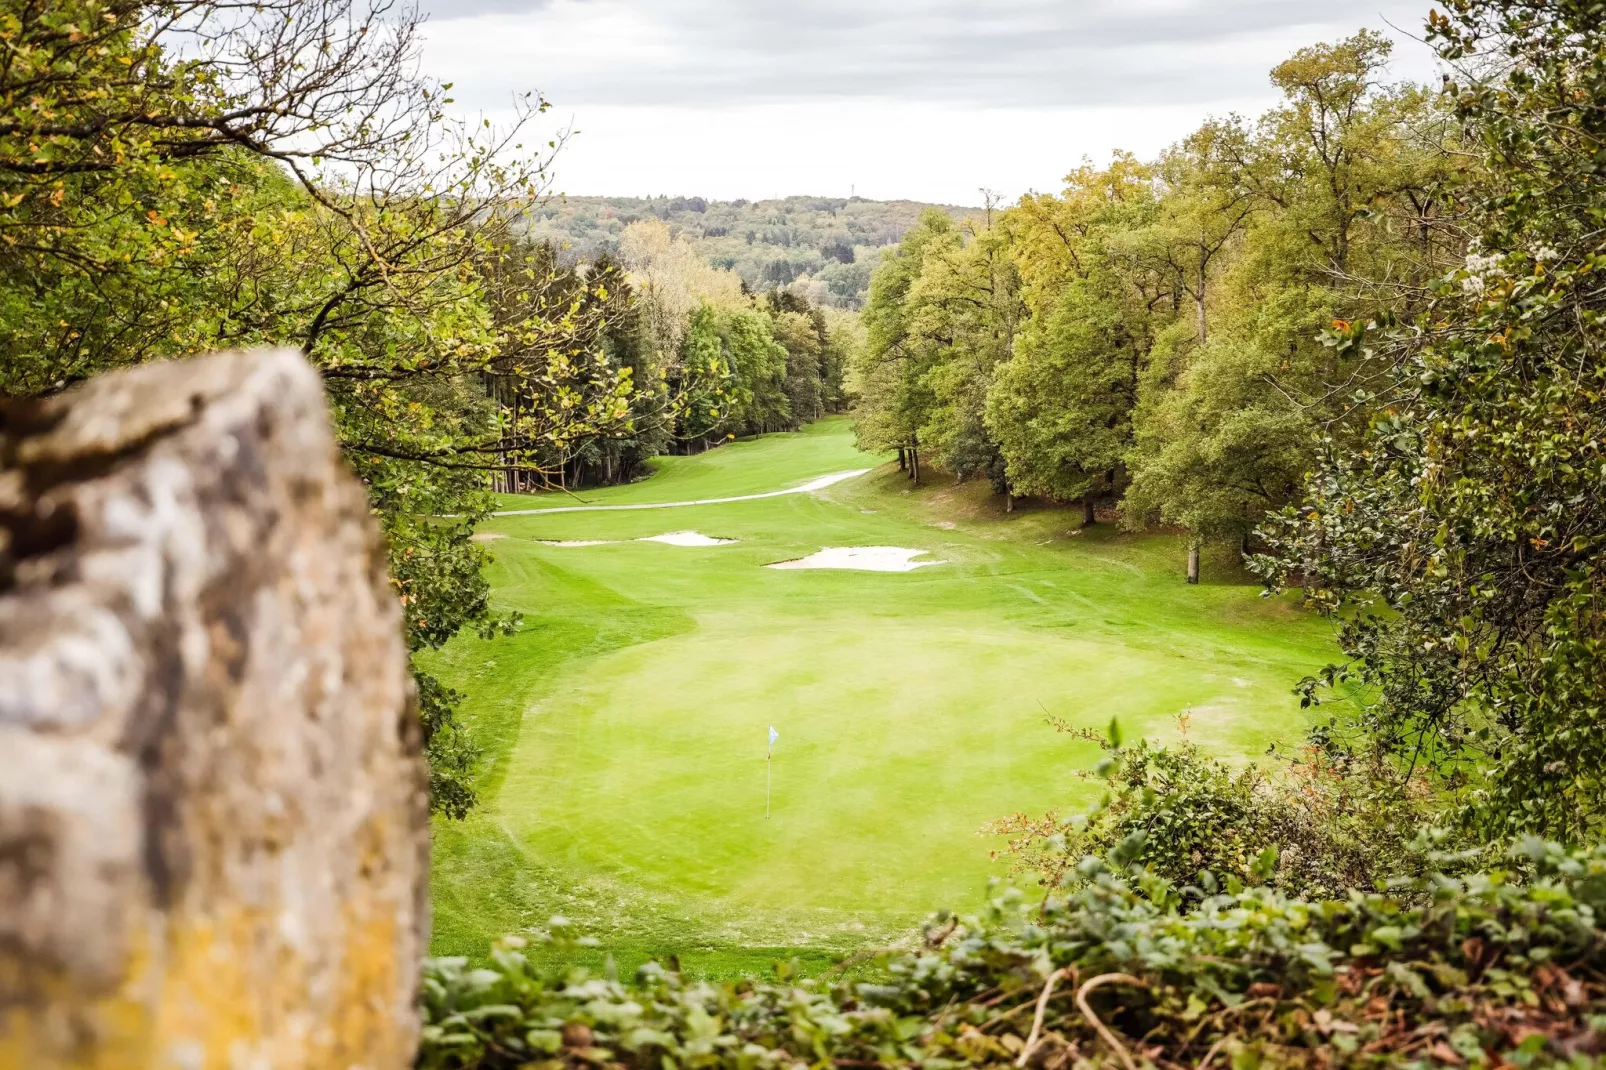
625	724
748	466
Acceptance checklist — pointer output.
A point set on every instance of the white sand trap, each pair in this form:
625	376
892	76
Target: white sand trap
574	542
486	536
688	538
861	559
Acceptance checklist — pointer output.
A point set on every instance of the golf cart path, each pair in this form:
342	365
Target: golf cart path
813	485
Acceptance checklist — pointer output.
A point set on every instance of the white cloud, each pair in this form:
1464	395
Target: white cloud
881	150
920	98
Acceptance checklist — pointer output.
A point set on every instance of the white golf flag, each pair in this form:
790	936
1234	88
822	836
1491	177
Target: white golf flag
768	756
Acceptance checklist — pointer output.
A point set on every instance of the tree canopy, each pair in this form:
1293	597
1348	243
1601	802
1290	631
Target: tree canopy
1147	338
1458	538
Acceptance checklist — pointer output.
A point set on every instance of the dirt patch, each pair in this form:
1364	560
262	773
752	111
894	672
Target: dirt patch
573	542
861	559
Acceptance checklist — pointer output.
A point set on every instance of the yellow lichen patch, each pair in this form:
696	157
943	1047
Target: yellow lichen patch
231	995
213	994
64	1028
366	1026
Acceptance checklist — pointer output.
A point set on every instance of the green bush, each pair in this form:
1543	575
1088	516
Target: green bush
1481	970
1311	825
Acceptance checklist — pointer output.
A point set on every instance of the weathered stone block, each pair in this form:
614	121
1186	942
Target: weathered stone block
213	806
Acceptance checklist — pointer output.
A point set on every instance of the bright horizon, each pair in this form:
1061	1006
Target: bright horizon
902	99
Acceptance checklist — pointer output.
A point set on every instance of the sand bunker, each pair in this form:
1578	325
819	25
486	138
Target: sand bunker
688	538
861	559
673	538
486	536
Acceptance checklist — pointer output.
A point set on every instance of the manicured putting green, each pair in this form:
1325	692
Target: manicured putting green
625	726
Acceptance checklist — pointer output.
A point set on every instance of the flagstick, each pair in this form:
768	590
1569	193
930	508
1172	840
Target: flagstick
767	757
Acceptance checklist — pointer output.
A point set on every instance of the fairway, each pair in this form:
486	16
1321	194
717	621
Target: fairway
625	725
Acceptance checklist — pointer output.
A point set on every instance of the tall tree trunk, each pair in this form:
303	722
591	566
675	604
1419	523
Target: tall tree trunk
903	459
1193	560
1009	501
1199	301
513	438
1089	511
914	464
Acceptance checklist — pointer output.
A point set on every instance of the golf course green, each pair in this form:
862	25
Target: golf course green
625	783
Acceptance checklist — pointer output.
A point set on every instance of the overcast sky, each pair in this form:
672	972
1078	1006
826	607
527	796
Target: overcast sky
926	99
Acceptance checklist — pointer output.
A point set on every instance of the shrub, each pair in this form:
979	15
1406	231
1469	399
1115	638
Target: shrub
1313	825
1478	970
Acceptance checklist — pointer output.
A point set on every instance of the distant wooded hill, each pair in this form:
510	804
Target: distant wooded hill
825	247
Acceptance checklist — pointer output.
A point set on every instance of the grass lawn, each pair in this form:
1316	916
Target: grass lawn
624	726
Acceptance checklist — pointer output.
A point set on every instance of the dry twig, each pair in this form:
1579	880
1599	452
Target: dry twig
1093	1019
1037	1019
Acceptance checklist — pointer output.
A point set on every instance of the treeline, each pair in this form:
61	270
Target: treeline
822	248
705	360
1151	337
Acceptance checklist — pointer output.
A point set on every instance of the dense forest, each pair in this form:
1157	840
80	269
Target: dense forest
1360	339
820	248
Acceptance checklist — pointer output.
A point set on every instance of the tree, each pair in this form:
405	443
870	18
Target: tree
191	175
893	398
673	286
1215	449
672	280
1459	544
1061	407
966	313
800	328
844	340
1201	211
617	458
1328	207
760	367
